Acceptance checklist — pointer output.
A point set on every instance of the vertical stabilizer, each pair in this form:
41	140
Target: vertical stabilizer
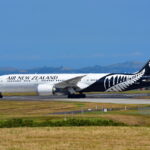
146	68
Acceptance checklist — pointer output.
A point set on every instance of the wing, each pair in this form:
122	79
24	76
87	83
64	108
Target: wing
71	83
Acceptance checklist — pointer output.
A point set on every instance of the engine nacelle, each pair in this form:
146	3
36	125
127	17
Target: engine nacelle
45	89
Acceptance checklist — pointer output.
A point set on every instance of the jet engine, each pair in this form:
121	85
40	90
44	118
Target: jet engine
45	89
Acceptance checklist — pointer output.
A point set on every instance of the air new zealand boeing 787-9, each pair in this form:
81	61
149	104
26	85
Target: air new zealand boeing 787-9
71	84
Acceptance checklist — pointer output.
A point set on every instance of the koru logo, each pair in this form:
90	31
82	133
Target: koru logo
149	64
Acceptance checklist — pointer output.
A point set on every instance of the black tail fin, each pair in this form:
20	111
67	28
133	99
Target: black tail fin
146	68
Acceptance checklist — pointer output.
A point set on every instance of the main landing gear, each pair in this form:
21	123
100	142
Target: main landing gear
72	94
76	96
1	96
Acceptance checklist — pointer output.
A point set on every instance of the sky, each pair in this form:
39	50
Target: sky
73	33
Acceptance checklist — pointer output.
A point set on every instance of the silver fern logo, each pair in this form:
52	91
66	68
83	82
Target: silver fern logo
121	82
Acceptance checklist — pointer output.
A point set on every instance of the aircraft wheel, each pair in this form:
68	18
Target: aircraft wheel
76	96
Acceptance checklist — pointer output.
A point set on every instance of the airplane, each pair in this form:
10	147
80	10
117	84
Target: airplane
71	84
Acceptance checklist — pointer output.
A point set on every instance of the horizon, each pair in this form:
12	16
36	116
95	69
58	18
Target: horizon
48	66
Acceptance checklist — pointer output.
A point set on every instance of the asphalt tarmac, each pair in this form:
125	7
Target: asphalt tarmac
98	98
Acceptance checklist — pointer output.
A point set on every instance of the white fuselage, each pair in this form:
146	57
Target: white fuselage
23	83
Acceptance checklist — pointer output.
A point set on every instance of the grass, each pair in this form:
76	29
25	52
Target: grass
75	138
20	94
72	138
59	122
132	120
11	109
40	111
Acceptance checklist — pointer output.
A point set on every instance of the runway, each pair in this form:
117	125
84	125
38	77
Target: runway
97	98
